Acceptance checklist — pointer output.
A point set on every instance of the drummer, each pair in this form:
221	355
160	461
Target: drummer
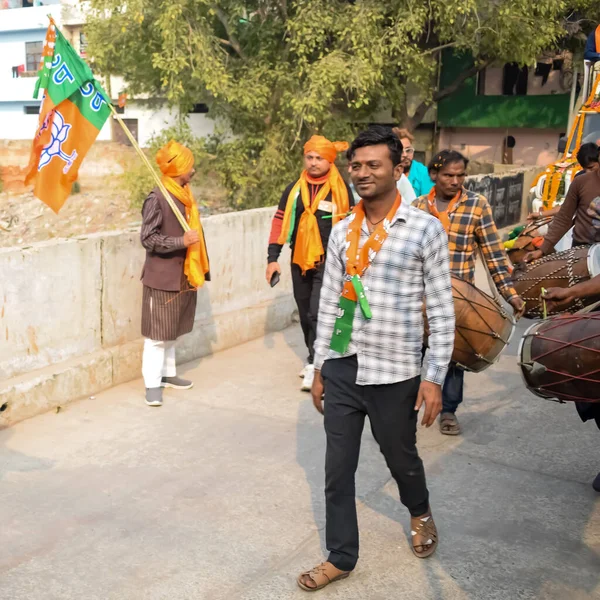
574	213
588	411
588	157
468	220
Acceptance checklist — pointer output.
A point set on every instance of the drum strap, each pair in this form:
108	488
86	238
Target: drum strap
495	293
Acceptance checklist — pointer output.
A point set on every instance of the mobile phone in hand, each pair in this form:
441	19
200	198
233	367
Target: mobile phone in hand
275	279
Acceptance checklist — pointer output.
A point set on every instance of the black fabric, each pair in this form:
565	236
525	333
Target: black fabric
393	419
589	411
307	291
515	80
325	225
543	70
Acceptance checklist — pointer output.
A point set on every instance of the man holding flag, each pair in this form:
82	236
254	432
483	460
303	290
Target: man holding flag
74	110
176	265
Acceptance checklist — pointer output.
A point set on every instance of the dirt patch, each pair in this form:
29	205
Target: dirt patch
102	205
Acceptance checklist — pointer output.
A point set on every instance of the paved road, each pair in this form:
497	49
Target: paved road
219	494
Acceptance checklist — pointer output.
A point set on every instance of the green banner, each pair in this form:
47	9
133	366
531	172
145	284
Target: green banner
63	73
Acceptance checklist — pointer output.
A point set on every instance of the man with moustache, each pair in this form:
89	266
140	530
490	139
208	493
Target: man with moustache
416	172
176	266
468	221
383	262
308	209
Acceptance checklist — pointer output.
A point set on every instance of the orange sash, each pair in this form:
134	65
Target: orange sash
443	216
357	262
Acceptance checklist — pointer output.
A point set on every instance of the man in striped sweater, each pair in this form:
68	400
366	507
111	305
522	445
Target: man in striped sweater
307	211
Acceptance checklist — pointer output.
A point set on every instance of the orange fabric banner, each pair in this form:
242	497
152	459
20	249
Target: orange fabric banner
62	143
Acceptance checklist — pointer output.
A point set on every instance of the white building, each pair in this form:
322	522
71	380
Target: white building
23	26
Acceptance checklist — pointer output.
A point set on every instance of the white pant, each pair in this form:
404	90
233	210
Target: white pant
158	361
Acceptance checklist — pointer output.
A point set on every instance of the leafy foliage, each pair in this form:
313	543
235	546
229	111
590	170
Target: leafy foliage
138	181
276	71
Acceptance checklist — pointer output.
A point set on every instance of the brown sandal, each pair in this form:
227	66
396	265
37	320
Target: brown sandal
449	424
425	528
320	577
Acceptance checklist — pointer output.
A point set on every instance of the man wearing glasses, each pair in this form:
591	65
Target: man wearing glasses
417	172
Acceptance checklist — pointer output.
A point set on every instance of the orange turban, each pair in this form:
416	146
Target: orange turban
324	148
174	159
308	248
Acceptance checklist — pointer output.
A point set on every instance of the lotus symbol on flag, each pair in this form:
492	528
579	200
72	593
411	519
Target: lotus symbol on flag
60	131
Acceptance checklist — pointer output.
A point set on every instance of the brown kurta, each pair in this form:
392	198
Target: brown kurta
167	313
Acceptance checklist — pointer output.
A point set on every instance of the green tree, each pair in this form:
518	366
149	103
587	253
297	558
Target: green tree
276	71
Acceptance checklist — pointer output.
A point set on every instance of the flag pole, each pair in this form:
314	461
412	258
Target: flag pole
159	183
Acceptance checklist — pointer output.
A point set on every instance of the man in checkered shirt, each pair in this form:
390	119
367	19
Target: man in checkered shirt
379	373
469	223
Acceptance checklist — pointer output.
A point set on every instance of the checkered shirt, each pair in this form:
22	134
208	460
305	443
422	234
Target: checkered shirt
411	267
471	227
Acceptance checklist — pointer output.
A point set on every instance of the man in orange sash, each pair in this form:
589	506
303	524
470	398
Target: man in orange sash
383	262
307	211
176	266
468	220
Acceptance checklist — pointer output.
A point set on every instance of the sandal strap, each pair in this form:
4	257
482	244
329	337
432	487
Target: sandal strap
427	529
317	571
450	417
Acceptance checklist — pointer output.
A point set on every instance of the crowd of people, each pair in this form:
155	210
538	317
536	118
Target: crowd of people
368	258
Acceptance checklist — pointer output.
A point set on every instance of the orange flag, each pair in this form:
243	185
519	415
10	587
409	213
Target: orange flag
73	111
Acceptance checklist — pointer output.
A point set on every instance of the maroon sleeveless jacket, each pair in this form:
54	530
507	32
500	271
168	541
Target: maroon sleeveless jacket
165	271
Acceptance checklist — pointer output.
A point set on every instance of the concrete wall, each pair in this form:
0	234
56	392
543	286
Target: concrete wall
533	146
70	310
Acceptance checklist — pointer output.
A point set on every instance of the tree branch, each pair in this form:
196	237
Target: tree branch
283	7
439	48
232	39
411	122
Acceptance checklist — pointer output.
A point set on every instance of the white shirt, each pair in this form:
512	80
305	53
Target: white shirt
406	189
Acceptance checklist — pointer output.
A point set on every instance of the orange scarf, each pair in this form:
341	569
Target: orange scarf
443	216
308	248
175	160
357	262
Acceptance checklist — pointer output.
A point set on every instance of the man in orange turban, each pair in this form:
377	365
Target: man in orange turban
176	266
308	209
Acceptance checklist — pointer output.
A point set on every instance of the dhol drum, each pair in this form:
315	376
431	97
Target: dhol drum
560	357
483	329
561	269
524	242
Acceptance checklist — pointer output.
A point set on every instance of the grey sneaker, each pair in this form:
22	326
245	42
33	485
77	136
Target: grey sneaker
154	396
177	383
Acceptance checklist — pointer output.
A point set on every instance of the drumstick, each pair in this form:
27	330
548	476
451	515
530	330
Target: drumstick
544	309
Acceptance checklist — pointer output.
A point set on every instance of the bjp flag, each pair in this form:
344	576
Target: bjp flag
74	109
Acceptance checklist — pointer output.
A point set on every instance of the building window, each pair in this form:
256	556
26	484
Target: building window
33	54
514	80
83	44
120	110
31	110
199	109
